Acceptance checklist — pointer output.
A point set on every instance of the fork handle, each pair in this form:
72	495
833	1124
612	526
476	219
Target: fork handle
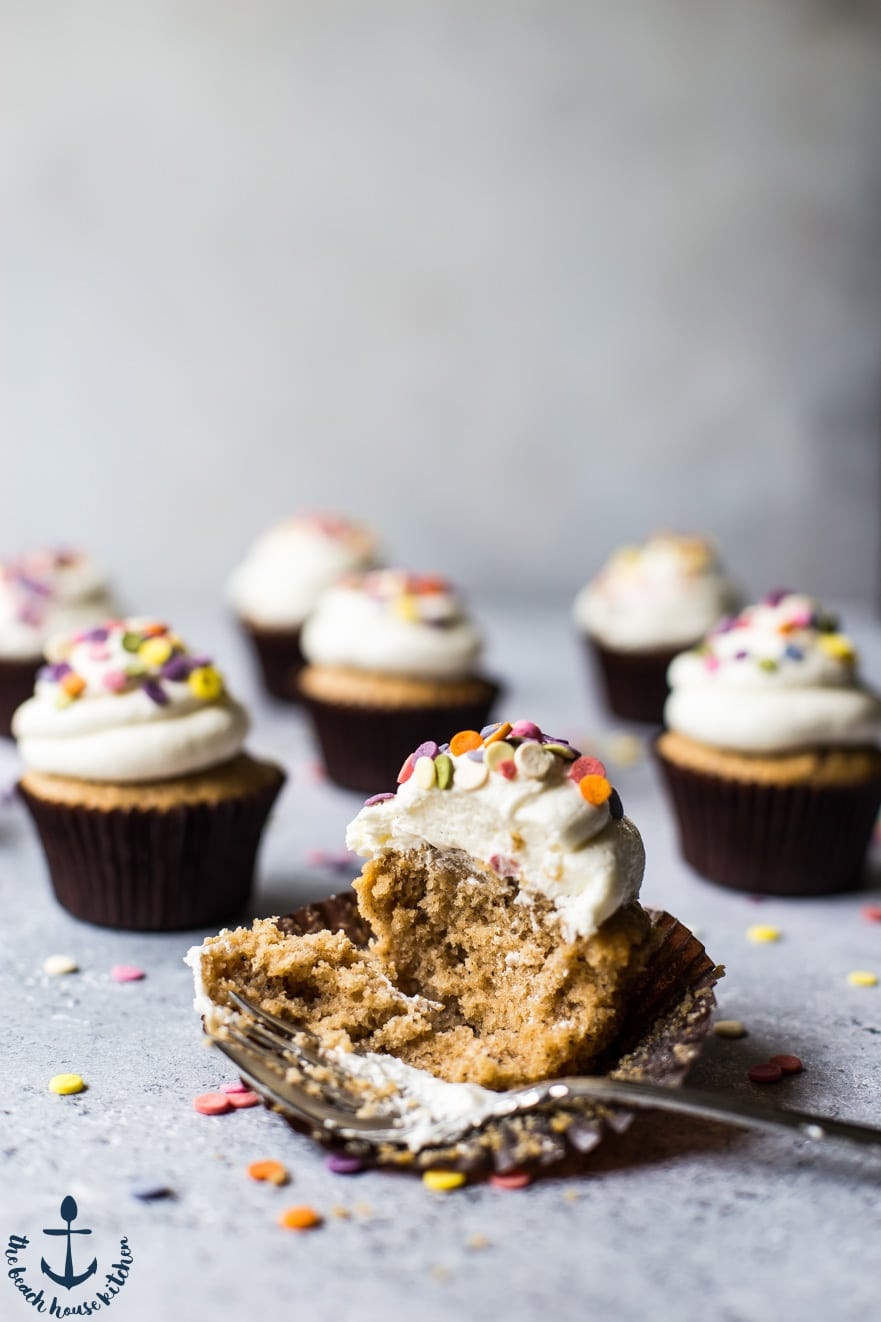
709	1106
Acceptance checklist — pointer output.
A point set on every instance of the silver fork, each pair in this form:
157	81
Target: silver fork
287	1065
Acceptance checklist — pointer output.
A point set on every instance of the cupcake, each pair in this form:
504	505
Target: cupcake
41	593
390	655
148	810
501	893
648	603
771	751
280	580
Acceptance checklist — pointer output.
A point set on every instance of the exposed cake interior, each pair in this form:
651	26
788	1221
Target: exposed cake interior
474	972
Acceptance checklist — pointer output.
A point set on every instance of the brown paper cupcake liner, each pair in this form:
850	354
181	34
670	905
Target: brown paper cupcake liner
668	1020
769	839
364	747
16	686
158	869
279	659
635	683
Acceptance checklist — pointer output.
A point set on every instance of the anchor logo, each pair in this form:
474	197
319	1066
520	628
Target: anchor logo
70	1278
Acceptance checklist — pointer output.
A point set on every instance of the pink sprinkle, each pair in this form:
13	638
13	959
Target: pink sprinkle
126	973
508	769
239	1100
711	662
525	730
98	652
237	1086
871	913
115	680
211	1103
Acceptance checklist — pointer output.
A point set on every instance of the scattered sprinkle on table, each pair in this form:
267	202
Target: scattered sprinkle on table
299	1218
729	1028
862	978
759	932
443	1181
126	973
510	1179
273	1172
211	1103
55	965
65	1084
871	913
788	1064
239	1101
235	1086
477	1241
342	1164
151	1190
767	1073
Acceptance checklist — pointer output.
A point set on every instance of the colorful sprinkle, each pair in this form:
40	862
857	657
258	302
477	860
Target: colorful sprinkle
239	1101
470	775
788	1064
127	973
299	1218
732	1028
761	933
424	774
595	789
206	683
464	741
56	965
871	913
533	760
66	1084
273	1172
766	1073
343	1164
155	692
235	1086
443	1181
510	1179
406	770
839	647
114	680
616	807
508	768
498	752
525	730
586	766
862	978
377	798
211	1103
73	684
501	732
443	767
155	652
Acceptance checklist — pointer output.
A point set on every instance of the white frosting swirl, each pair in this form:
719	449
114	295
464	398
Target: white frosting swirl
45	592
286	570
538	828
107	708
663	594
394	623
777	678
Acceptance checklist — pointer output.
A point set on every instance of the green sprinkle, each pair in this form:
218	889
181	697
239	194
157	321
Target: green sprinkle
561	750
132	641
767	663
136	670
443	767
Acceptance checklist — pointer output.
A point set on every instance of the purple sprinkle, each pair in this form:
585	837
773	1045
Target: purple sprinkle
443	748
741	655
725	625
155	692
56	671
775	597
341	1164
553	739
428	749
488	729
176	668
198	661
377	798
95	636
475	754
616	807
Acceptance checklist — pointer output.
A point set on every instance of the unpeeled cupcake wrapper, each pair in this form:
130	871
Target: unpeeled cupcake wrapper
667	1022
364	746
635	683
786	839
279	658
16	686
186	863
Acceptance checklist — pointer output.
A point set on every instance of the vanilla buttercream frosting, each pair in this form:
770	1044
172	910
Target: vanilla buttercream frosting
47	591
127	701
523	804
665	593
394	622
779	676
284	573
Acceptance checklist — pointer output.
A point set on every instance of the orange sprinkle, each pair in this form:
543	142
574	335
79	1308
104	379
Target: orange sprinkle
73	684
465	741
504	728
299	1218
596	789
272	1171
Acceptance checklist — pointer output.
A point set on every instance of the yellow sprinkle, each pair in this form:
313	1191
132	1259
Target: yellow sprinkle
206	683
443	1181
729	1028
406	607
478	1241
63	1084
155	651
862	978
837	645
759	932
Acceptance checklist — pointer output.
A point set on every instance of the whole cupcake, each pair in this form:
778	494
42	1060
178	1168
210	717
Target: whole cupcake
280	580
771	751
390	655
148	810
646	605
41	593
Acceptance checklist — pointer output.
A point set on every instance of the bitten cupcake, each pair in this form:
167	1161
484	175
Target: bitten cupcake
41	593
148	810
771	751
390	655
280	580
646	605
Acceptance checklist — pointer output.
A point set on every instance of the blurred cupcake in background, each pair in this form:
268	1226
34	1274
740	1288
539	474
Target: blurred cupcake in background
280	580
771	752
148	808
391	655
43	592
646	604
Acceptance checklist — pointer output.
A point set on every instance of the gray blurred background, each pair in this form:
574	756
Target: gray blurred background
515	281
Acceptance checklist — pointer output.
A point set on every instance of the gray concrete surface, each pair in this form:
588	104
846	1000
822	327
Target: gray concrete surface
677	1219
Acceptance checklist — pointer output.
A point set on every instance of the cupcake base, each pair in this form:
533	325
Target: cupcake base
635	683
278	657
159	857
16	686
364	743
796	838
